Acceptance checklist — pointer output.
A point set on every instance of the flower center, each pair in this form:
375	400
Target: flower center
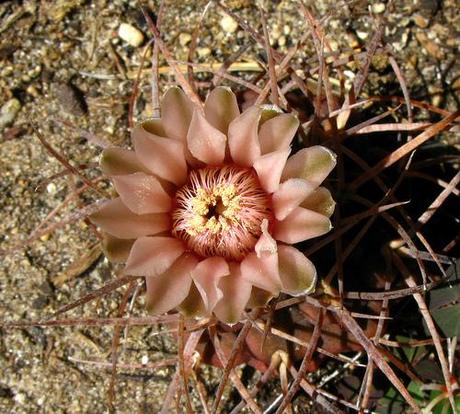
220	210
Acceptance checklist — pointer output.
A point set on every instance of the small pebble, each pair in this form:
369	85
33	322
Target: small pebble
45	237
404	22
349	74
402	44
275	32
70	98
20	398
184	39
333	44
57	10
380	61
203	51
456	84
282	41
109	129
130	34
362	35
8	112
228	24
32	91
51	188
39	302
421	21
431	47
7	71
352	40
378	8
436	100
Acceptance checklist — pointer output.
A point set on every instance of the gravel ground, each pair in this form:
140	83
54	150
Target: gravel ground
64	61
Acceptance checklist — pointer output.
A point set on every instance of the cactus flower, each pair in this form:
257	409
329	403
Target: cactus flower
210	203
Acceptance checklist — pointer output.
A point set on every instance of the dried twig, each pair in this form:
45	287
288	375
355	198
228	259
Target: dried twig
303	367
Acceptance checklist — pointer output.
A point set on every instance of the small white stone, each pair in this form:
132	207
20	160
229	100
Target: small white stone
20	398
8	112
51	188
362	35
349	74
334	45
130	34
203	51
275	32
378	8
184	39
145	360
228	24
110	129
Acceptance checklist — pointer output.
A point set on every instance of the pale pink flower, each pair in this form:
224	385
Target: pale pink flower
209	205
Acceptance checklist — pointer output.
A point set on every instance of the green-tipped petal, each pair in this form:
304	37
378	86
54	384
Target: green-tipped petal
176	113
236	293
278	133
120	161
115	218
243	138
297	273
116	250
259	298
193	306
300	225
312	164
320	201
221	108
164	157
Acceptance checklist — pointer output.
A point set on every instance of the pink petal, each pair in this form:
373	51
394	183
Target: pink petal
118	220
269	168
192	306
116	250
243	137
163	156
312	164
261	268
206	276
297	273
221	108
266	244
278	132
119	161
236	293
205	142
320	201
169	289
176	113
289	196
262	272
301	224
142	193
152	256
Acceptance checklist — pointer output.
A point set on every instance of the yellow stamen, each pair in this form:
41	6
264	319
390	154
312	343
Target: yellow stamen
223	201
